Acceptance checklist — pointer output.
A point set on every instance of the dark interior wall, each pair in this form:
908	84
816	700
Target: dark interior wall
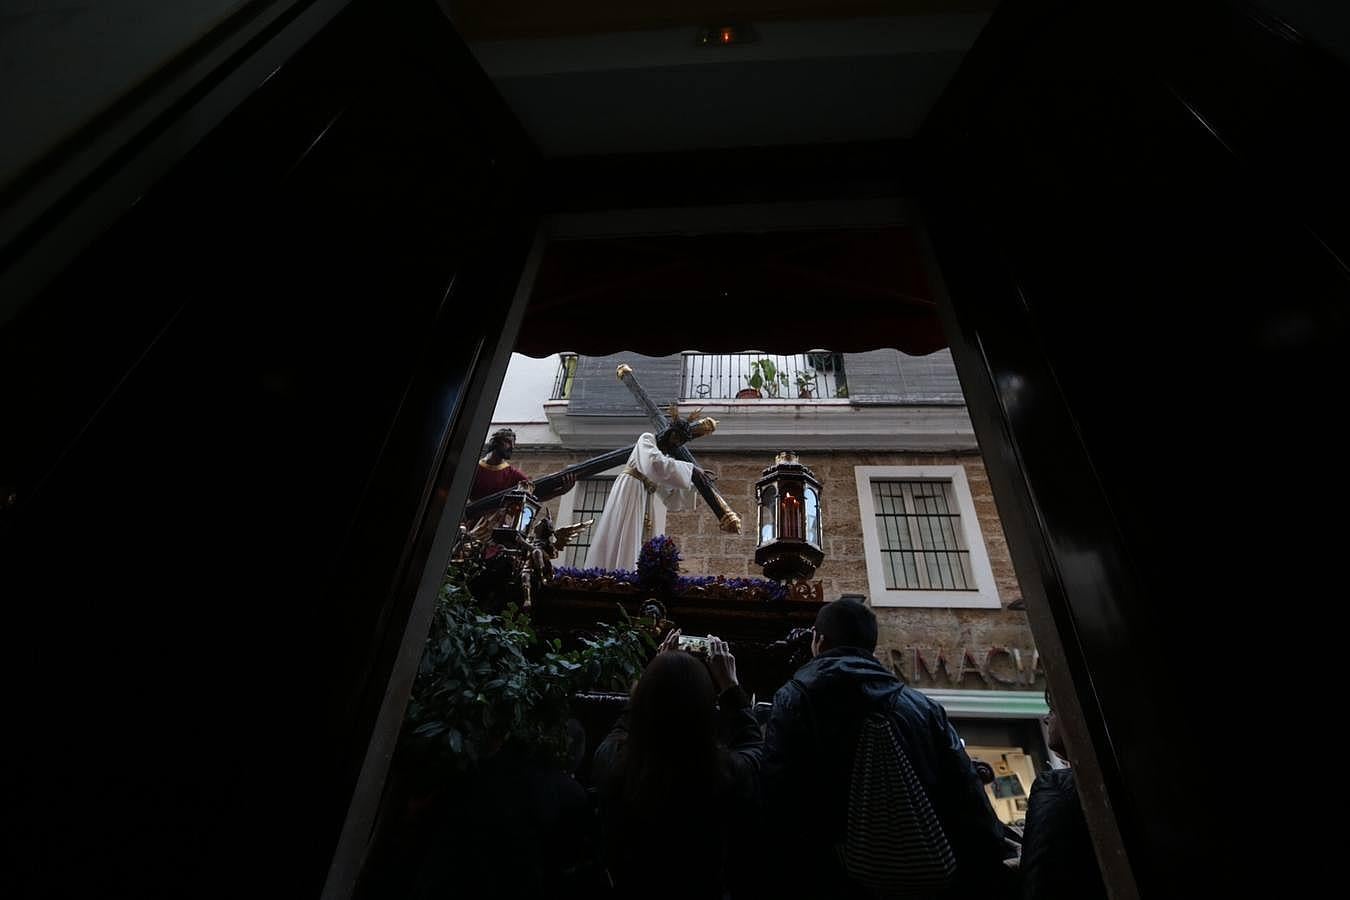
1138	215
230	429
841	171
106	50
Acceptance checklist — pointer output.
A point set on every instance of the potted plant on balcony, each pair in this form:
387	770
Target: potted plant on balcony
764	378
806	384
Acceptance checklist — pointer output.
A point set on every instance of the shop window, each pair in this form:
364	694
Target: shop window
1015	750
1014	772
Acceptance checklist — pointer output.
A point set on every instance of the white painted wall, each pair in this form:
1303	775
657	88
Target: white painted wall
529	382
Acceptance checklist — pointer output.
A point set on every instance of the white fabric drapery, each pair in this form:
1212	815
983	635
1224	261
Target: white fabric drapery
617	540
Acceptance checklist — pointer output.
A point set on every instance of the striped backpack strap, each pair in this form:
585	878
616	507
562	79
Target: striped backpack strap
893	843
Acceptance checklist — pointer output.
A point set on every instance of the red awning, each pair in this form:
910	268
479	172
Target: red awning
783	292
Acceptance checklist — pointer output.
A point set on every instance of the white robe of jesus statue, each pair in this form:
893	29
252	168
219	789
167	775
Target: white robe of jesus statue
617	540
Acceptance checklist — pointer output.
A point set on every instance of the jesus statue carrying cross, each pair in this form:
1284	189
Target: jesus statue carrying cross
648	474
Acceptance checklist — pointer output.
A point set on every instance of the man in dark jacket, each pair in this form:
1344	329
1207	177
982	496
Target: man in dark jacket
808	758
1058	862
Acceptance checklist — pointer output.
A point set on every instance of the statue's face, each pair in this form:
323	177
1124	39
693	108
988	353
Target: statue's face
504	447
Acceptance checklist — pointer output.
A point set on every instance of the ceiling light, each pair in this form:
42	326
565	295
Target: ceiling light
726	35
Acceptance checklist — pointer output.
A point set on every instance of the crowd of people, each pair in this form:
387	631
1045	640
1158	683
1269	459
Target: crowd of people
691	796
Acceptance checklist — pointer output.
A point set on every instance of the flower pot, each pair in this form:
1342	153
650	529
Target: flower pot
748	394
804	394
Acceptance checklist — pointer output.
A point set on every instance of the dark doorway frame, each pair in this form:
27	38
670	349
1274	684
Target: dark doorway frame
1023	528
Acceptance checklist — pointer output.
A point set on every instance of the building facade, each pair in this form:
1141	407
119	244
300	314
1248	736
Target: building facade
910	523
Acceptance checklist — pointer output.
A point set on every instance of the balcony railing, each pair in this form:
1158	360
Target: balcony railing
818	375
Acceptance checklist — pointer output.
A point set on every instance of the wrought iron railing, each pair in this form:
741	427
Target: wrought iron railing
817	375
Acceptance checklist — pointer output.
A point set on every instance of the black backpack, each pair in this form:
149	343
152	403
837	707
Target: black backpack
893	843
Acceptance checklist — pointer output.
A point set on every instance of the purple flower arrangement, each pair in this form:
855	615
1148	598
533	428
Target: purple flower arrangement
658	573
718	585
658	566
622	576
619	580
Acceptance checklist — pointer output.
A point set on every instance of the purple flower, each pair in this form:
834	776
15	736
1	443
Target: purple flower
659	573
622	576
758	588
658	567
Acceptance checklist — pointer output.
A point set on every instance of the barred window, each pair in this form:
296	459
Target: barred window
919	528
589	502
922	538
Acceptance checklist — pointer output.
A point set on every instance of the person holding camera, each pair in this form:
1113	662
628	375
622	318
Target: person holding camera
677	774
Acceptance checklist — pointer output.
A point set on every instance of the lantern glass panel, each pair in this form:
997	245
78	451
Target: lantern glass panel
813	516
791	517
768	509
526	517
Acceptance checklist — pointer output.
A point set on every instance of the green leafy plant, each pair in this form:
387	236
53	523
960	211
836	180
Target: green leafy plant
806	383
488	680
764	376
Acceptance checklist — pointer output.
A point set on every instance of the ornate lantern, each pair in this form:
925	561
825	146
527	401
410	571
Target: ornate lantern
789	520
520	508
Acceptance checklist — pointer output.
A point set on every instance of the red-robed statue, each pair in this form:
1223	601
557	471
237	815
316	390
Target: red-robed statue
495	474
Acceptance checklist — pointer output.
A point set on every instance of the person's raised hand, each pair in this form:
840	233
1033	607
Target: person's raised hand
670	642
721	664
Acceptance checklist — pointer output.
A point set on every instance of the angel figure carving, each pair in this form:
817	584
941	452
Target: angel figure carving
546	542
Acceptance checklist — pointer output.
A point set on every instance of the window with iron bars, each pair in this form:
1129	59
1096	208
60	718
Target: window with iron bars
591	494
923	545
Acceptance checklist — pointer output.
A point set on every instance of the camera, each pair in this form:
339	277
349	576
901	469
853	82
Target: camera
693	644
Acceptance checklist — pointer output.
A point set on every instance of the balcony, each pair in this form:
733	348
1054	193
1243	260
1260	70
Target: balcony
818	375
709	377
888	400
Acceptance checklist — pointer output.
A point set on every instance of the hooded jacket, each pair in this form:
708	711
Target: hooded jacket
808	758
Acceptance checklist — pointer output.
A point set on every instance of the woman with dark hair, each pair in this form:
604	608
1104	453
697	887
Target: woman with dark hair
676	775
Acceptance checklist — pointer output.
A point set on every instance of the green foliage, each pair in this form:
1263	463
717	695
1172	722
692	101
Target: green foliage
764	376
486	680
